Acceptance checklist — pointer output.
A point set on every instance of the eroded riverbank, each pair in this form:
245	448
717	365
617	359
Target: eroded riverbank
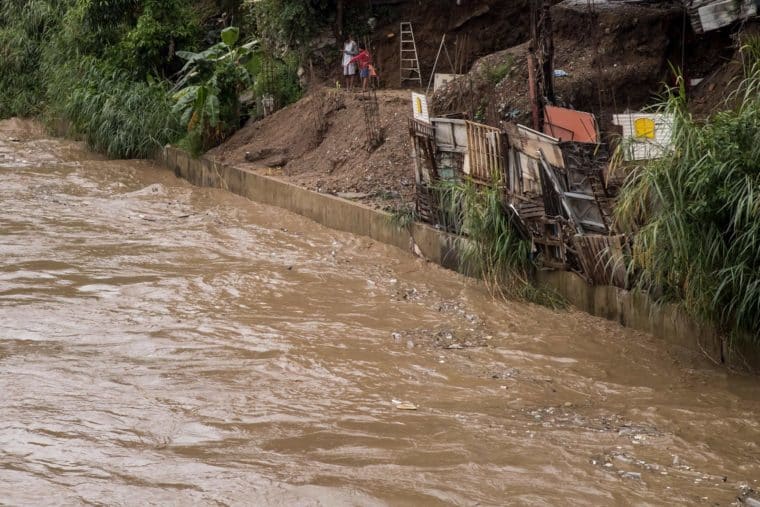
170	344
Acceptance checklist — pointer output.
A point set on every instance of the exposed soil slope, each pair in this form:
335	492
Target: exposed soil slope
320	143
714	92
473	29
617	58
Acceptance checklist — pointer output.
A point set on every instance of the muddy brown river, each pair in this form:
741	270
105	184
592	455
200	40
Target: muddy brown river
162	344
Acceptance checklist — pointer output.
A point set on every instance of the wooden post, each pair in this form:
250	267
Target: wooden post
547	46
435	64
339	21
541	60
532	92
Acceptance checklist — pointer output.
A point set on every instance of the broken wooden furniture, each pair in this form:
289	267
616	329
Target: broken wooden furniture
554	190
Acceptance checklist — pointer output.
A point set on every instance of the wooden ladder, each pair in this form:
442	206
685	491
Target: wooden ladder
409	63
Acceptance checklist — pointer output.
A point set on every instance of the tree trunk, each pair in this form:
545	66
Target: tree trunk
548	54
339	20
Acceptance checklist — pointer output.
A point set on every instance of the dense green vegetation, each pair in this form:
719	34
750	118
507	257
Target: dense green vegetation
696	212
97	65
490	246
116	115
132	75
208	98
110	68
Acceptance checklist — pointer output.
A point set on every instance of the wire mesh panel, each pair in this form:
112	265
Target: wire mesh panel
372	118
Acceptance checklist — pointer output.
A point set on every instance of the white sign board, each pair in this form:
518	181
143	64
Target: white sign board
420	107
645	136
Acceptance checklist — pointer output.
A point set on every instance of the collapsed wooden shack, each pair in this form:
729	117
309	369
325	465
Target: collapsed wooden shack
555	189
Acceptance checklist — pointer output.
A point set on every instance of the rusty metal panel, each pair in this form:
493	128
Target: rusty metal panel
533	143
570	125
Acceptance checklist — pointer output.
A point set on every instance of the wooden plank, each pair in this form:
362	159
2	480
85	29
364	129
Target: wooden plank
531	143
471	146
580	197
484	149
485	169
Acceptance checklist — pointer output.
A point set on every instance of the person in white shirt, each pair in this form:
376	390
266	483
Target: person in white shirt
350	49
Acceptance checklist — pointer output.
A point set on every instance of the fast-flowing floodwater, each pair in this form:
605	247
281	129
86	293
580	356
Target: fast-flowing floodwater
169	345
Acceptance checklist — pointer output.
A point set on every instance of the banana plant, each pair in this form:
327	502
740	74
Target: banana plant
207	94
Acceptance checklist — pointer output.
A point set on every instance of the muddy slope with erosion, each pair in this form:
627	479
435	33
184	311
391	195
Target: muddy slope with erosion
617	58
320	143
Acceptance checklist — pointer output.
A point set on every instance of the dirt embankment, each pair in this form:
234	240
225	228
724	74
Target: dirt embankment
473	29
616	58
715	92
320	143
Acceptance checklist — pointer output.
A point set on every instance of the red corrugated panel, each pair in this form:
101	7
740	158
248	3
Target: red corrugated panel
570	125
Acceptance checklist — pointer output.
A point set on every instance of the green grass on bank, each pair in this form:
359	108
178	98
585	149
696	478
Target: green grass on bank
108	68
695	214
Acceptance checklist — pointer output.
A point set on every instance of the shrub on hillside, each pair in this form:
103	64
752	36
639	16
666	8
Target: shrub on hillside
695	213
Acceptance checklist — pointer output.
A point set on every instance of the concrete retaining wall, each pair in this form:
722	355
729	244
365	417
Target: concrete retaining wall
631	309
328	210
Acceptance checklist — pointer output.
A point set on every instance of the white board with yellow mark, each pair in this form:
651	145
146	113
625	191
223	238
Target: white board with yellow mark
420	107
645	136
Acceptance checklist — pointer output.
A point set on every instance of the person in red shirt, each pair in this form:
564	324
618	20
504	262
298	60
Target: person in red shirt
364	59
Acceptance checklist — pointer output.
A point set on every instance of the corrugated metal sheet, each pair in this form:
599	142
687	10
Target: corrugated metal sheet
570	125
450	135
528	145
532	143
707	15
643	148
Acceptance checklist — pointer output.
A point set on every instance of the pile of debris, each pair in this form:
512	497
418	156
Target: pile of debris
554	176
555	183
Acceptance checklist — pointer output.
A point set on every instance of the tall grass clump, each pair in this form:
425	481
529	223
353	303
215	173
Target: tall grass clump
97	66
695	212
20	84
490	246
117	116
24	28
